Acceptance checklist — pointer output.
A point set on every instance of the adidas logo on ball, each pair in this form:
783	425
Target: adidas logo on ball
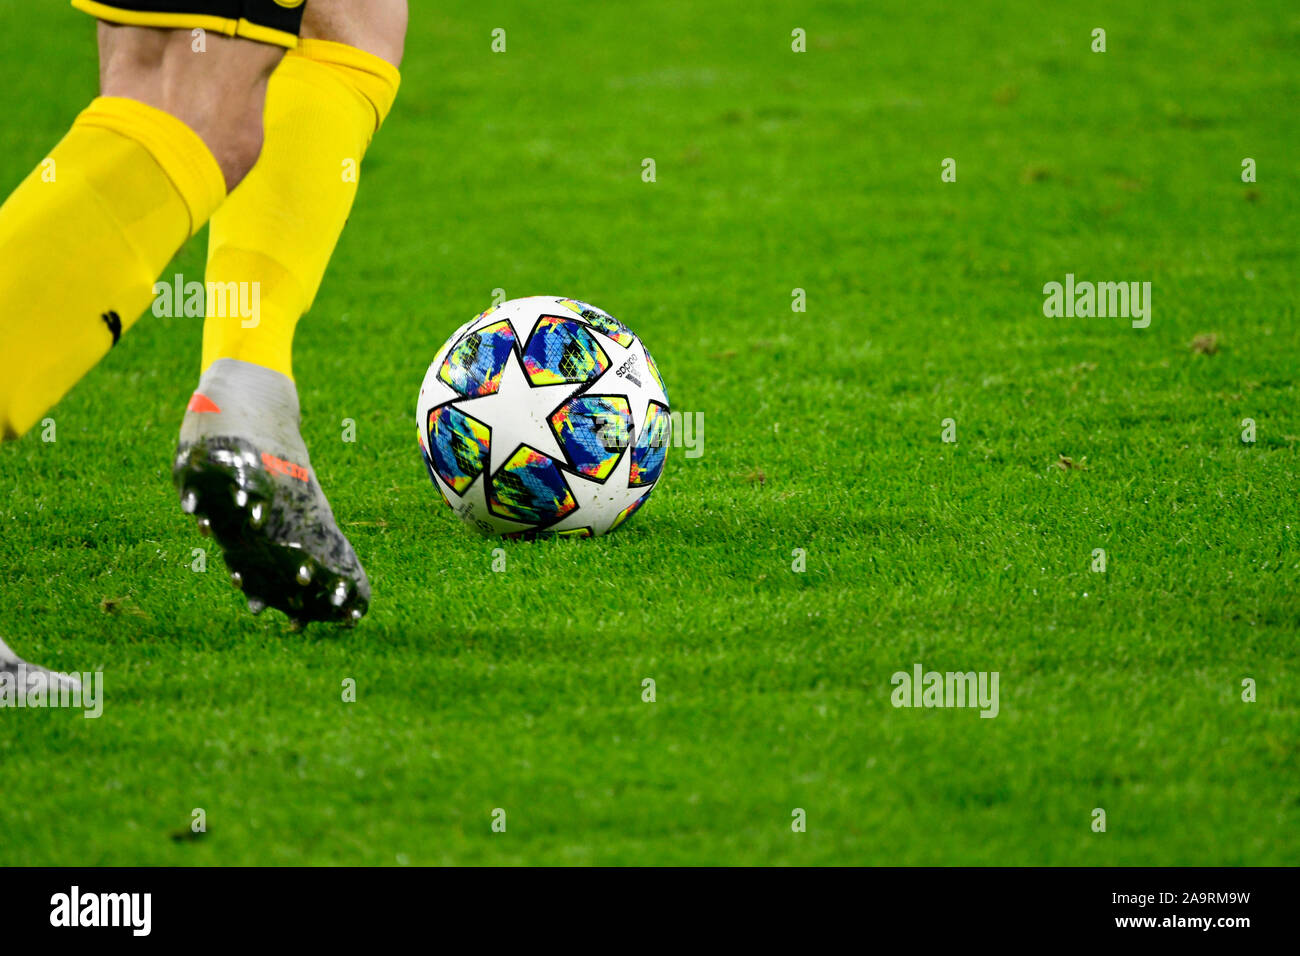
625	371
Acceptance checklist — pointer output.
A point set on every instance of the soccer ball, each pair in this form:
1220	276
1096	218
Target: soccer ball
544	416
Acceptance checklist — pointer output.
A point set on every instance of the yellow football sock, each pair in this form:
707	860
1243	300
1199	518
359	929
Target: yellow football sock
82	240
324	103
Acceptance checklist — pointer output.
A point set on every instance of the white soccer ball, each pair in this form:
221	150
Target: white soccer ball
544	416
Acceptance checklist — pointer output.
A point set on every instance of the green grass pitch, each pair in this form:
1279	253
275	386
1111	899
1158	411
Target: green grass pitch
775	171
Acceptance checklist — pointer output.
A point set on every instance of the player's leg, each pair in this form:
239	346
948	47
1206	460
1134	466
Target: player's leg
217	94
326	101
85	235
241	465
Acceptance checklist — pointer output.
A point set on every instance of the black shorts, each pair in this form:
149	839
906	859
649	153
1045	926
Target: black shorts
267	21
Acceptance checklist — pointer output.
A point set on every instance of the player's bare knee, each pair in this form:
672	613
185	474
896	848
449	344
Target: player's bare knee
214	84
376	26
238	150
